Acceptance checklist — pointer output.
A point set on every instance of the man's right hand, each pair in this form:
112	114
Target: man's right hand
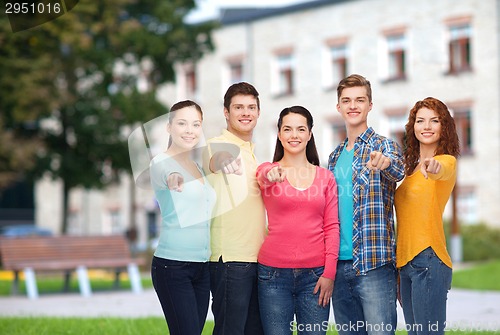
231	166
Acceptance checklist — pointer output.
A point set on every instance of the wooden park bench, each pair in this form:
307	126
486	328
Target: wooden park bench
68	254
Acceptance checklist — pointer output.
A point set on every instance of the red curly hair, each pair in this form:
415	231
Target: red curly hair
448	141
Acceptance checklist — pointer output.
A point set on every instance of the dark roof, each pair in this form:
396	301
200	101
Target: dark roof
230	16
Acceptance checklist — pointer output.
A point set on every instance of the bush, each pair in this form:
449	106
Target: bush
480	242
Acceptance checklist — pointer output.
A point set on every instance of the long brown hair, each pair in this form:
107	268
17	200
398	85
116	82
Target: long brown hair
311	151
448	142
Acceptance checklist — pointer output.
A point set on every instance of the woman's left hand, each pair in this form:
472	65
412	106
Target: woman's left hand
325	288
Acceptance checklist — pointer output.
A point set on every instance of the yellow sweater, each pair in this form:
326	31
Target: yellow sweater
419	205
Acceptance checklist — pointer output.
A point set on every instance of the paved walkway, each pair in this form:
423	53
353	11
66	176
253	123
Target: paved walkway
467	310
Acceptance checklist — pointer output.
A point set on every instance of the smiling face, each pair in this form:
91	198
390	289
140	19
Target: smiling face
427	127
294	133
185	128
354	106
242	116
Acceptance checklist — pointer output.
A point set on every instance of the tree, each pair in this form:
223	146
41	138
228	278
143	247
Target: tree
64	99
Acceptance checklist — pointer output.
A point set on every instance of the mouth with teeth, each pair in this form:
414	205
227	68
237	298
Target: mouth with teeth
245	121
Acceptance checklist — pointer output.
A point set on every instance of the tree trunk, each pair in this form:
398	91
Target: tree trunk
65	201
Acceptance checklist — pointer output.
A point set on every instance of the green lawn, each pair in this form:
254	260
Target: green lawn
482	277
53	284
112	326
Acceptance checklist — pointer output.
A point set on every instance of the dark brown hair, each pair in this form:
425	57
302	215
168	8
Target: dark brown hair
241	88
311	151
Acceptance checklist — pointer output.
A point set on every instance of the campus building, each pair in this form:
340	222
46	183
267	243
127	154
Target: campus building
296	55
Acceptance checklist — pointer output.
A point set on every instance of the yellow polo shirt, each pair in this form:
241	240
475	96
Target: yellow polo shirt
419	206
238	227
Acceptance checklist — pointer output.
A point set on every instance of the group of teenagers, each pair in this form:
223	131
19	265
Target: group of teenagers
276	243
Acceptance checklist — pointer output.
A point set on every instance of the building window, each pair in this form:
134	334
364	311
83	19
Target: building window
339	132
338	64
284	74
235	72
460	48
397	128
191	82
467	205
463	122
396	57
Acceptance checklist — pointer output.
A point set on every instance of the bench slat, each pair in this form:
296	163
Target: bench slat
69	253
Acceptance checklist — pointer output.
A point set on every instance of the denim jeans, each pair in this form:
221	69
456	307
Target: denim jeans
365	304
284	293
424	284
183	289
235	302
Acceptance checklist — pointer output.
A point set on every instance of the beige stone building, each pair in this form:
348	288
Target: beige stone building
296	55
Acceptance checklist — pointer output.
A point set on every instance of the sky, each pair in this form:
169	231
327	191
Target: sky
210	8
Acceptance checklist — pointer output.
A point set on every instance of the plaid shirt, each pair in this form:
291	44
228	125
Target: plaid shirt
374	241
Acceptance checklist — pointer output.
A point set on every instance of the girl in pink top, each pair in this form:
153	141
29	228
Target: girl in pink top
297	262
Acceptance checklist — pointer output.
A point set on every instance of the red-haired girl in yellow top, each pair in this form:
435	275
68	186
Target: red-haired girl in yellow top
425	266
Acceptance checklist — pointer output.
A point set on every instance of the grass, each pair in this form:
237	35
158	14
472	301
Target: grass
87	326
480	277
112	326
52	283
483	277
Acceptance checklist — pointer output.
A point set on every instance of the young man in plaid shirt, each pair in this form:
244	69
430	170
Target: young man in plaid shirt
367	167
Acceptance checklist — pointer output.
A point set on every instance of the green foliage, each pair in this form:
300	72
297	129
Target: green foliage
64	100
480	242
480	277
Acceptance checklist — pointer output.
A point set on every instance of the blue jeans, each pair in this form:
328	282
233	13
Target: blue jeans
235	302
284	293
183	289
365	304
424	284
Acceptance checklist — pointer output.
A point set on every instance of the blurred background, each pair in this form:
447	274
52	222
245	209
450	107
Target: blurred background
73	89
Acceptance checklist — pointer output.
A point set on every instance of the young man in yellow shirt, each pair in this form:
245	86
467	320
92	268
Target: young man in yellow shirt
238	227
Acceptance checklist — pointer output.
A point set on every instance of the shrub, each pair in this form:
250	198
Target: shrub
480	242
